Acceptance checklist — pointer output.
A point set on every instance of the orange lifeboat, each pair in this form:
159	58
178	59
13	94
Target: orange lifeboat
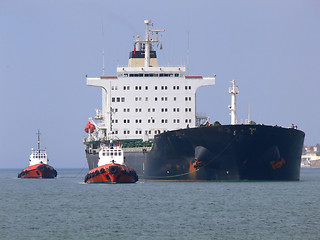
89	128
38	167
111	167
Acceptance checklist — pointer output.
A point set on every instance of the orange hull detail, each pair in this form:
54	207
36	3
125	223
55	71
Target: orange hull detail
38	171
111	173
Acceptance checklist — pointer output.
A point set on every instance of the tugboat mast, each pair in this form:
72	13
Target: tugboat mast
38	133
234	90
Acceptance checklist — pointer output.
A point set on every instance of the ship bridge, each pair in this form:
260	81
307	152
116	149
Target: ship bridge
151	72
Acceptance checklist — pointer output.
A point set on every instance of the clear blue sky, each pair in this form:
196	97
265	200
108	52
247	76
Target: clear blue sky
271	48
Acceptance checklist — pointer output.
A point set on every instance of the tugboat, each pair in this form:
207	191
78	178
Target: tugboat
39	167
111	167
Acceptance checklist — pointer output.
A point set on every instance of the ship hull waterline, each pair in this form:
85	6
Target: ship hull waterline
225	152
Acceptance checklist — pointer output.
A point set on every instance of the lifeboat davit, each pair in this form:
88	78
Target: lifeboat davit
111	167
38	167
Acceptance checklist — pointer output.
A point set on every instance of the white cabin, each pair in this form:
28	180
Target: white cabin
109	154
38	156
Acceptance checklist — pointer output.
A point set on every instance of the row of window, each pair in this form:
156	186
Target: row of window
118	99
139	132
147	88
175	121
178	109
153	110
139	99
112	153
39	156
178	120
150	75
185	87
151	120
155	88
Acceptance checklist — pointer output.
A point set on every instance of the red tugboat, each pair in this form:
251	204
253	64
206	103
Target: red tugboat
111	167
39	167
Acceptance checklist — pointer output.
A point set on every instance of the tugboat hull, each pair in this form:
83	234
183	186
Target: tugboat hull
111	173
38	171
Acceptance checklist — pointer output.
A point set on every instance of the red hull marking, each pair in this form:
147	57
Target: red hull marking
108	77
194	77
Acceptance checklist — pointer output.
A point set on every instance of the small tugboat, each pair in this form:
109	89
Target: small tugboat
111	167
39	167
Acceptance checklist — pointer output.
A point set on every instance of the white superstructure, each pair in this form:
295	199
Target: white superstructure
109	154
143	99
38	156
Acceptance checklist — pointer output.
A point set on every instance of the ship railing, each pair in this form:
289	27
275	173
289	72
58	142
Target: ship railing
38	151
98	115
137	149
201	118
130	143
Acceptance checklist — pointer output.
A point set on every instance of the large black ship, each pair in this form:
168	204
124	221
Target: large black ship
150	112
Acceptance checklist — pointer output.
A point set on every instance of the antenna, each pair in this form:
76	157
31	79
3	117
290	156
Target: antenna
103	68
188	55
249	112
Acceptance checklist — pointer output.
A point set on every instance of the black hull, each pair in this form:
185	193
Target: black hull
228	152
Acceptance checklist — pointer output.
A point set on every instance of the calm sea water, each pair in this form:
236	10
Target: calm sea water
66	208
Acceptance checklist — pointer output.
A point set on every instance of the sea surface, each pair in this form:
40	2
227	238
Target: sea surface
66	208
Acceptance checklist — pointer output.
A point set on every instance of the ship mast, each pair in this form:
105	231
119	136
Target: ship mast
234	90
38	133
148	42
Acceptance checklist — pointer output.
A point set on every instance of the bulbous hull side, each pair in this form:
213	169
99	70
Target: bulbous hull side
231	152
